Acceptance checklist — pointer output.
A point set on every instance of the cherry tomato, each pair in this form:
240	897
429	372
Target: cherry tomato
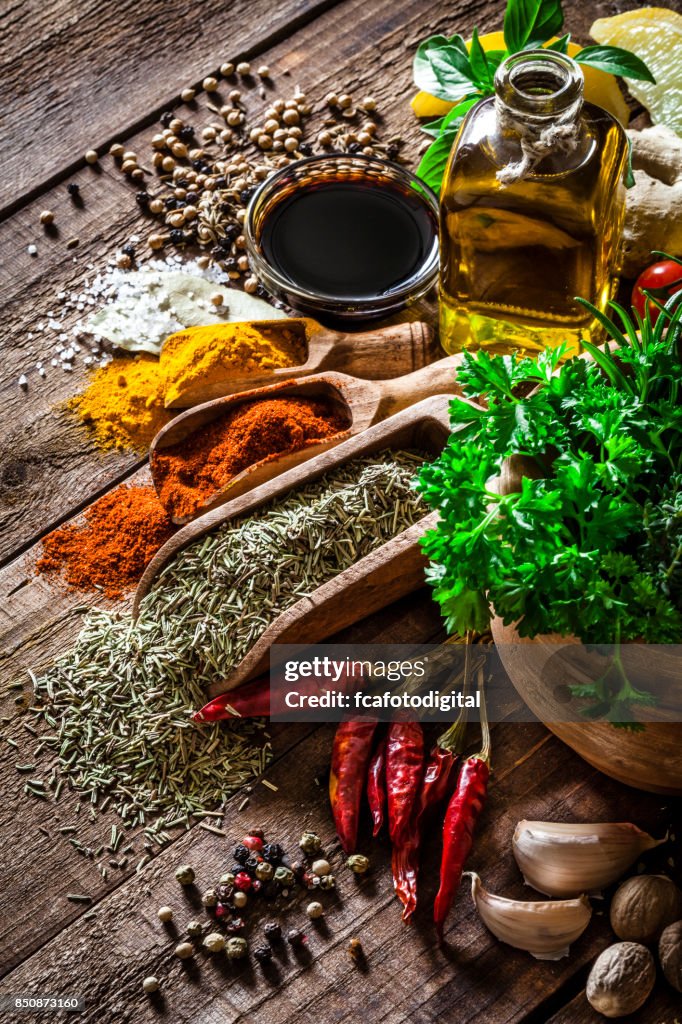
661	280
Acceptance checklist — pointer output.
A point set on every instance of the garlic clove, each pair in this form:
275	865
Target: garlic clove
561	859
545	928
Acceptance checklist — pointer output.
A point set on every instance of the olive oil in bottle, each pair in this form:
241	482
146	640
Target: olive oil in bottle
532	210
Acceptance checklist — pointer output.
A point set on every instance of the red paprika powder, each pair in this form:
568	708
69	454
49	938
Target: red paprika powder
110	550
189	473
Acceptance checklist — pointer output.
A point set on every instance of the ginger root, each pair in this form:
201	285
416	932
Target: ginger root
653	213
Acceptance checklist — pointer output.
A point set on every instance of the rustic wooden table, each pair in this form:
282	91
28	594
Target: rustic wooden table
83	74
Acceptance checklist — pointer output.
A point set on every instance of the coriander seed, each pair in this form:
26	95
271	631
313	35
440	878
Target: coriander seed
187	95
264	71
116	150
91	156
251	285
217	298
47	217
226	69
345	101
150	984
184	950
314	910
369	103
210	84
244	68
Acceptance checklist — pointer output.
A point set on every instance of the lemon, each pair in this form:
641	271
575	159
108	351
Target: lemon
655	35
600	87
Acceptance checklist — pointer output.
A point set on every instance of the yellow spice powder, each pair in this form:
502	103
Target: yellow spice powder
123	404
201	355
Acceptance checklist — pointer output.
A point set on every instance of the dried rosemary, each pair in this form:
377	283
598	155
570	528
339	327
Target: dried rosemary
123	697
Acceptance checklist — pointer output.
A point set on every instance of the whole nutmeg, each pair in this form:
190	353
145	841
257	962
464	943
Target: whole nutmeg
621	979
670	954
643	906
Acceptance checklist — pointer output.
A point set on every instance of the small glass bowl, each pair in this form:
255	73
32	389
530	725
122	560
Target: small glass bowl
310	171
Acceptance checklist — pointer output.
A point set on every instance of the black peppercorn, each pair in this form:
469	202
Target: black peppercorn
128	250
354	147
272	853
230	264
171	203
305	149
295	937
73	189
142	199
186	133
272	931
166	118
252	862
263	954
241	854
392	151
182	183
220	182
191	198
177	236
244	196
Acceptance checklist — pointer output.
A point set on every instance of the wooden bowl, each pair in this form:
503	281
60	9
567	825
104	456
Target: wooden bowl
649	760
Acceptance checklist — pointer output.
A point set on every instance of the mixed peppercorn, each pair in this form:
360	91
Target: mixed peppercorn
260	870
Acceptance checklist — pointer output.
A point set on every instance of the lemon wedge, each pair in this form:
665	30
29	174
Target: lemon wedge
655	35
600	88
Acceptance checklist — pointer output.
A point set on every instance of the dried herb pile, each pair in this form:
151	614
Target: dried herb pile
121	700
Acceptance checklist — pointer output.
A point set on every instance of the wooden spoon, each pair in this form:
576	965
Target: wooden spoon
376	355
358	403
390	572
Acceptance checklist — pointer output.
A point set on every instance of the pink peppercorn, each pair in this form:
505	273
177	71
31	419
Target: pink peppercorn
253	843
243	882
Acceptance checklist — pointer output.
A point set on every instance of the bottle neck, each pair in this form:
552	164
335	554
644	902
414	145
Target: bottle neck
538	99
537	87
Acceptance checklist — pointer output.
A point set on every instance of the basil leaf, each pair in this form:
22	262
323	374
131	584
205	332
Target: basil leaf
615	61
529	23
442	67
483	76
432	166
561	45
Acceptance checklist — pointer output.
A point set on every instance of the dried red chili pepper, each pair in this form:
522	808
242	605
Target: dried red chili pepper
404	767
461	816
439	779
376	786
350	757
249	701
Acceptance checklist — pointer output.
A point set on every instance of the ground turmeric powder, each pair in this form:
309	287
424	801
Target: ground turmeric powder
200	356
123	404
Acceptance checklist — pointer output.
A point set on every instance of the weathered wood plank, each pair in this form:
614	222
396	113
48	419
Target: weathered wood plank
473	979
98	70
663	1007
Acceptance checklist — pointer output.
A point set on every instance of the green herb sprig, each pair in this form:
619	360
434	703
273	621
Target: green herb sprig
445	68
591	543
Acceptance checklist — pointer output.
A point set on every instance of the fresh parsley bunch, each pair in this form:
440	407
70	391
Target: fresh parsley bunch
591	542
445	68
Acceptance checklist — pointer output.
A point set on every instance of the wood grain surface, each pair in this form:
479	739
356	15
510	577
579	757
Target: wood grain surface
79	75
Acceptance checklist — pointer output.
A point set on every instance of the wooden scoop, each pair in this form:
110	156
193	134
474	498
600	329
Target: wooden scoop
358	403
385	575
375	355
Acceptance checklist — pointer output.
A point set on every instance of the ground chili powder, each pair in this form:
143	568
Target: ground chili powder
110	550
189	473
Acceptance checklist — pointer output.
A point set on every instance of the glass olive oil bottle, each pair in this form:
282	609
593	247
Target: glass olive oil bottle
532	209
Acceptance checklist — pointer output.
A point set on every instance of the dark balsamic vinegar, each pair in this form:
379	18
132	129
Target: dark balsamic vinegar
349	238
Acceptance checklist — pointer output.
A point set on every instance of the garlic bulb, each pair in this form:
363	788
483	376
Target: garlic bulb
545	929
568	859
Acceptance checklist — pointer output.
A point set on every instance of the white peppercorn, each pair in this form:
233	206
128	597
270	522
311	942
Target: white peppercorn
314	910
321	867
214	942
236	948
210	84
150	984
184	950
165	914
